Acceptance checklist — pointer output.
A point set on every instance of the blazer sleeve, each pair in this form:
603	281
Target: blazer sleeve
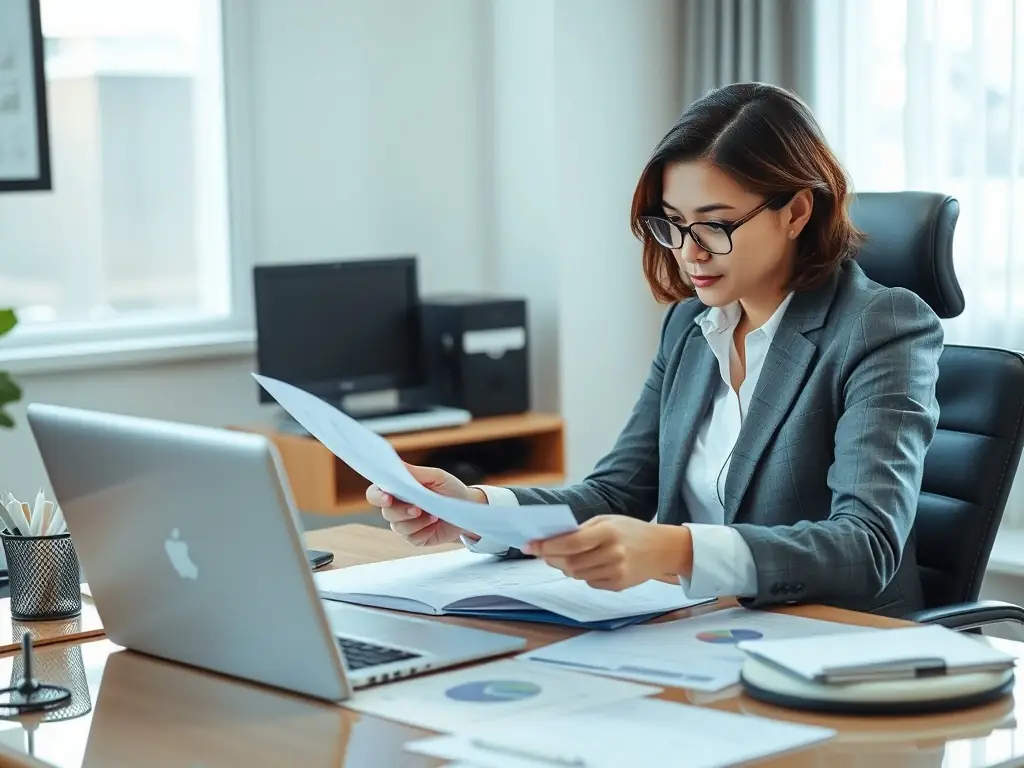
890	415
625	480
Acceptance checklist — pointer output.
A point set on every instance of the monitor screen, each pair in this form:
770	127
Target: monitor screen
339	328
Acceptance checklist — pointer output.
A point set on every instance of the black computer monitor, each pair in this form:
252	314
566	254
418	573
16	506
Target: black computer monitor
339	328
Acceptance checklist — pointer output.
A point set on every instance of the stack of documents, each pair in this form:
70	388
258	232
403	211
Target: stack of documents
460	582
645	732
375	459
893	654
698	653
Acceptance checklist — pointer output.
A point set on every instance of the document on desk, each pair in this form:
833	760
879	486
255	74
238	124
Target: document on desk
633	732
699	653
373	457
462	582
465	698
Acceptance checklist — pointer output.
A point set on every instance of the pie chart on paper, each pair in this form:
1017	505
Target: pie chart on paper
493	691
728	636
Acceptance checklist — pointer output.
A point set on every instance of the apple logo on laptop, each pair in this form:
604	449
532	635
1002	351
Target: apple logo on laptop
177	552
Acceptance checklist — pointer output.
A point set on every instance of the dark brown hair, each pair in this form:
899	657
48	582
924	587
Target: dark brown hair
768	141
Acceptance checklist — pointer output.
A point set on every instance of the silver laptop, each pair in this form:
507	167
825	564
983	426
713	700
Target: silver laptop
189	539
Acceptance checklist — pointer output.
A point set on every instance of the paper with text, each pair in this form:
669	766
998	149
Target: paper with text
375	459
631	732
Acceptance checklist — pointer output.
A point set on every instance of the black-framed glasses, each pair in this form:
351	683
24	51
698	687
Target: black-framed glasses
715	237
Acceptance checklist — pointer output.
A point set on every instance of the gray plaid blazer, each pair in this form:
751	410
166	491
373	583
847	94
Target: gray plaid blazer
825	476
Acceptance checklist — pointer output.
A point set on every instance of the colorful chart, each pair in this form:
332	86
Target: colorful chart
491	691
728	636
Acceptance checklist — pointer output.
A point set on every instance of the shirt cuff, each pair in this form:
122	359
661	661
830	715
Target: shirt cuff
723	565
496	497
499	497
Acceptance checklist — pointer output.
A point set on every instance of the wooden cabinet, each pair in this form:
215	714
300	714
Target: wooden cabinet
322	483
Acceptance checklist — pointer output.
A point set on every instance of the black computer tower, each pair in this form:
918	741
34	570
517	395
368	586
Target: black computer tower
476	353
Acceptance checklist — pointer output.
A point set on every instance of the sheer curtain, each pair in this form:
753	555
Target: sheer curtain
929	94
730	41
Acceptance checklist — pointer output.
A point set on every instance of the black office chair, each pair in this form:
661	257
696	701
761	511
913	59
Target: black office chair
972	461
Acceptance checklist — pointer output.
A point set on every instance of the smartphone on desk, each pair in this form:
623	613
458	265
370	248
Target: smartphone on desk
318	558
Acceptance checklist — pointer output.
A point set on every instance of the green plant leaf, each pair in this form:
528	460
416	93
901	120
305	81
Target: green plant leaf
7	320
6	421
9	391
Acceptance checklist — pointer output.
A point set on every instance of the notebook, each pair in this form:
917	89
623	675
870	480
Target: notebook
463	583
878	655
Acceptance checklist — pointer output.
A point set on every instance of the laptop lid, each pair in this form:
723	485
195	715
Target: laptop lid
189	540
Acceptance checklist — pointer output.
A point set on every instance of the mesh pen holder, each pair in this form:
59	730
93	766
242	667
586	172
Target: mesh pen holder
44	576
64	666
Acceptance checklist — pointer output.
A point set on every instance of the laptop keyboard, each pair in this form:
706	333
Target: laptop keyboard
360	655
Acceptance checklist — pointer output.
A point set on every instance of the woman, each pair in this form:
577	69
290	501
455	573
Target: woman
779	440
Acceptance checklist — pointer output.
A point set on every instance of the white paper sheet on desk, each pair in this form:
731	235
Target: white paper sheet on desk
375	459
463	699
699	653
639	732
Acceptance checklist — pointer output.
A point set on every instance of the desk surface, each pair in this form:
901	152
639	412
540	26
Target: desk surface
86	624
131	710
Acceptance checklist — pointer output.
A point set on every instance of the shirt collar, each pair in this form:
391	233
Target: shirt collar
722	319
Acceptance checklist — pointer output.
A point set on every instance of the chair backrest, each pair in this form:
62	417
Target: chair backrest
972	461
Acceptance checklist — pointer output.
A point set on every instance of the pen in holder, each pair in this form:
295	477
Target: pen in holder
44	576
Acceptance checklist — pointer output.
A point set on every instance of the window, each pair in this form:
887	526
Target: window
132	246
929	94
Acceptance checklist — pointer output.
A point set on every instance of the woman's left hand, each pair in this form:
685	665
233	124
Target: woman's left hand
615	552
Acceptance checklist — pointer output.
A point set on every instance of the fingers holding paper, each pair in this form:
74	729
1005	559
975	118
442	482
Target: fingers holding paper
412	523
615	552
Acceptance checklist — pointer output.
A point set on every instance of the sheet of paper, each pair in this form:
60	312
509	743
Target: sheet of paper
466	698
700	653
375	459
448	577
641	733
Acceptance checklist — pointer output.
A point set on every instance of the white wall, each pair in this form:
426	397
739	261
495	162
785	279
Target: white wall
584	89
616	94
526	201
368	134
499	141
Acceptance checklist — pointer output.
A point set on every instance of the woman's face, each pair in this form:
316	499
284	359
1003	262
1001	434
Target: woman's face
759	263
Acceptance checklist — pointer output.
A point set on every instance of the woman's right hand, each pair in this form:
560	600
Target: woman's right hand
412	523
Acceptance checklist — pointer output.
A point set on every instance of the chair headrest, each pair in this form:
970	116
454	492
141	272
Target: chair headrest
910	244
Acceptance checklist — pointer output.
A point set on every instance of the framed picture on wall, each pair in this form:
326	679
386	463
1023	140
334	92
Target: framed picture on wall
24	138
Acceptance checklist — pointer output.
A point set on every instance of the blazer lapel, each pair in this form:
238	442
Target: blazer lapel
785	369
689	398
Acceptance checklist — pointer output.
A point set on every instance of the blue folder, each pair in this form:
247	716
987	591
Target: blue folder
547	617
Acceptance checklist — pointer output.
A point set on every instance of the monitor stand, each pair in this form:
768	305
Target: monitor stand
387	415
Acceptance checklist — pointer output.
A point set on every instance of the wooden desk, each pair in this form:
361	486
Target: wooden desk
87	624
146	712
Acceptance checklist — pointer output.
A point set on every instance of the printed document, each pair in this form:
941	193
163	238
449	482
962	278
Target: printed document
699	653
645	732
375	459
465	698
460	581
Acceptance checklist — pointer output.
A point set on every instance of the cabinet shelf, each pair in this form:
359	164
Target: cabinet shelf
323	484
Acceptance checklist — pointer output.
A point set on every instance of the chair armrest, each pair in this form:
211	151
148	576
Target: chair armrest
969	615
